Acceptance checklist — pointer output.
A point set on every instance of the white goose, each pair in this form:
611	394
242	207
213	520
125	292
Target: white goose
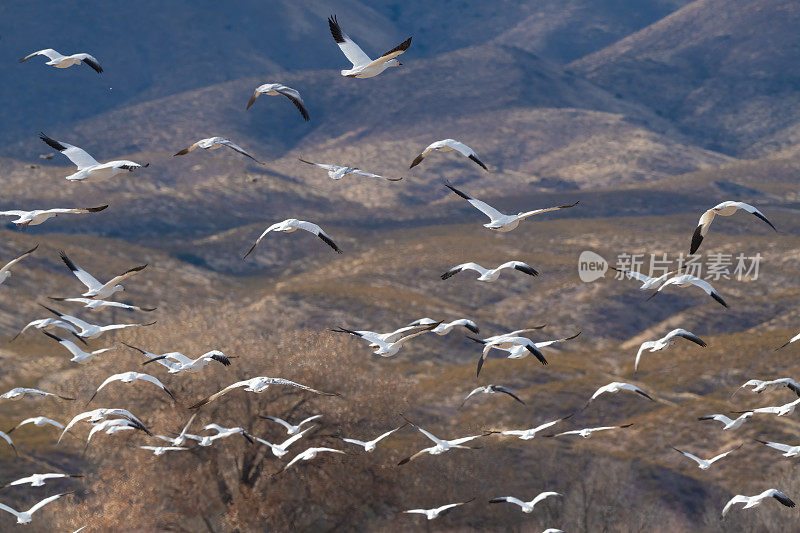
491	274
212	143
759	386
724	209
78	355
432	514
292	224
279	450
728	423
59	60
275	89
95	288
666	341
90	331
25	517
291	429
5	272
88	166
181	363
95	305
492	389
788	451
499	221
39	216
588	432
648	282
258	385
521	351
615	387
510	344
705	464
526	507
370	445
528	434
38	480
18	393
779	410
130	377
363	65
182	437
221	433
758	499
96	415
44	323
336	172
37	421
383	347
111	427
447	145
440	445
687	280
161	450
444	328
310	454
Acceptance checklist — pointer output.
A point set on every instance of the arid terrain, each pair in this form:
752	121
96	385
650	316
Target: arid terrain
646	112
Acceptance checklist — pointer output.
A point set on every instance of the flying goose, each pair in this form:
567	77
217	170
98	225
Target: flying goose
490	274
515	333
491	389
130	377
446	327
257	385
37	421
291	429
499	221
96	415
725	209
382	347
779	410
212	143
363	66
275	89
111	427
526	507
705	464
38	480
39	216
78	355
181	363
90	331
279	450
588	432
665	341
447	145
20	392
310	454
755	501
94	305
788	451
98	290
6	270
335	172
528	434
88	166
648	282
616	386
292	224
59	60
221	433
25	517
686	280
163	360
432	514
44	323
369	446
727	423
507	343
760	386
440	445
790	341
521	351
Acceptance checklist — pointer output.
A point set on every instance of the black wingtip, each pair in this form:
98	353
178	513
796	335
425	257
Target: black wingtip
461	194
479	162
719	299
473	329
52	142
329	242
336	31
697	239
